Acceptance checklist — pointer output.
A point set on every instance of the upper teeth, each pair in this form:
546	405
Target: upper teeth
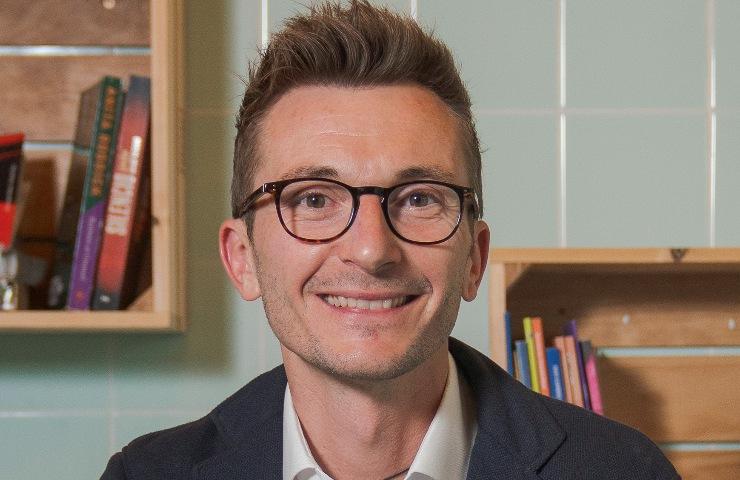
339	301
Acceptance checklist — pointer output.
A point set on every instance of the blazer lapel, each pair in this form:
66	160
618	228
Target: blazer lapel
517	434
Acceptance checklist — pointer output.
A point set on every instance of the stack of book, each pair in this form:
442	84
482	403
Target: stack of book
102	231
564	371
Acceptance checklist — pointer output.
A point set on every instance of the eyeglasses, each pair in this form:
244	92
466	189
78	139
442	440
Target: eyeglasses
319	210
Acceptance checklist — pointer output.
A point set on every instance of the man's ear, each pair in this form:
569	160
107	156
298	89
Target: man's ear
477	260
238	258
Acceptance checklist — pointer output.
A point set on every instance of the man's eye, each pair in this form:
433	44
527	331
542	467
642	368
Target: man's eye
314	200
420	199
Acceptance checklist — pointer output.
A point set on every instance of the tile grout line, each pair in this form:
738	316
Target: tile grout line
561	153
265	24
414	9
712	117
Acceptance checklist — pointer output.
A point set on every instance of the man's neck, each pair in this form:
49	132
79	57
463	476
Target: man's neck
370	429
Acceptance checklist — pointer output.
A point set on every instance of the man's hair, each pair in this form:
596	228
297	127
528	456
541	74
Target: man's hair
357	45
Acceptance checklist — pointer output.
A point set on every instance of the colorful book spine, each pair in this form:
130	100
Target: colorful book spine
555	372
592	376
538	334
116	269
571	328
521	353
11	149
95	193
509	344
559	343
532	354
574	376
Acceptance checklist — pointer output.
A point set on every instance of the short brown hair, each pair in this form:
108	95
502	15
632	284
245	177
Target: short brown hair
357	45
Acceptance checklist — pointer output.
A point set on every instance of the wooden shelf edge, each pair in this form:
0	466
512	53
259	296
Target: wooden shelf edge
94	321
614	255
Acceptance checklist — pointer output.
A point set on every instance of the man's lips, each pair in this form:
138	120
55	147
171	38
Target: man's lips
377	303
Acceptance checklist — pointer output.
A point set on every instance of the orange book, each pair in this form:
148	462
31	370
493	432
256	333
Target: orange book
539	344
559	343
574	376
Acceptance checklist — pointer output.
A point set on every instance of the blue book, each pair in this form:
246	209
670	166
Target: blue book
522	357
509	344
555	373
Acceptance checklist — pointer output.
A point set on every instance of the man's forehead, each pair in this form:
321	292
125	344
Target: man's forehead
408	173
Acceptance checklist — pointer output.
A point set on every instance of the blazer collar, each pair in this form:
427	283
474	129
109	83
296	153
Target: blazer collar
251	422
517	434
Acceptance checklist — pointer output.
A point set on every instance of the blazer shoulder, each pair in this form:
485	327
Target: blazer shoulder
598	447
174	452
169	453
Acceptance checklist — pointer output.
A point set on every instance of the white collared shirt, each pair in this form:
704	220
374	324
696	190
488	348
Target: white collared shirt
444	453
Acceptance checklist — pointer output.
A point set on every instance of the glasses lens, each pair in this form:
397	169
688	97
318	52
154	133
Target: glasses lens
424	212
315	209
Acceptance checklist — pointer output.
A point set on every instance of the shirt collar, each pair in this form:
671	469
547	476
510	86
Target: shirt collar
444	452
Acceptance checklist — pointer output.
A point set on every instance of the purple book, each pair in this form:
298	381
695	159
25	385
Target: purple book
95	191
571	328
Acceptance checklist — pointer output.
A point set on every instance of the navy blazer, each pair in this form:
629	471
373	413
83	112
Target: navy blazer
521	435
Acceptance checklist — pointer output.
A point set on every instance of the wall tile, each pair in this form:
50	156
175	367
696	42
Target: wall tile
728	60
520	179
52	372
728	180
67	448
637	181
221	37
633	53
507	49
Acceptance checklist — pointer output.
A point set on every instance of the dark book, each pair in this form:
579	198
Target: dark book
571	328
70	214
11	149
95	192
128	206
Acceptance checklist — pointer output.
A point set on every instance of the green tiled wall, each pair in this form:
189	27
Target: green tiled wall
633	169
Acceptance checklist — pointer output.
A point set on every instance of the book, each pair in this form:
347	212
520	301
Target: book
70	214
128	205
95	191
570	328
11	149
521	354
559	343
539	343
532	354
555	373
592	376
509	344
574	377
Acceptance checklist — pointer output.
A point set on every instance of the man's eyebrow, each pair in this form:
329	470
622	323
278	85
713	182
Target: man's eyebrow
310	171
427	172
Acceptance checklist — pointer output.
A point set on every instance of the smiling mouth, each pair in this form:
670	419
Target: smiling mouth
364	304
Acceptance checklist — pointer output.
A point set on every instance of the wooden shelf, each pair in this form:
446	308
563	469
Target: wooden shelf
646	297
162	307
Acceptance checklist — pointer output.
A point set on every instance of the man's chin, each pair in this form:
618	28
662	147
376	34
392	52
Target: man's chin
366	365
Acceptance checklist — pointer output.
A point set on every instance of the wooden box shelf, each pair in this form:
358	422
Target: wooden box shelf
668	298
39	94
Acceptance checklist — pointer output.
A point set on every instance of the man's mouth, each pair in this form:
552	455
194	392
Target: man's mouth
365	304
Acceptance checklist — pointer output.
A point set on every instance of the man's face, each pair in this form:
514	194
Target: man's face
371	136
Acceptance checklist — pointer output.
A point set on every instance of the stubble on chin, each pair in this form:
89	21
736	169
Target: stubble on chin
356	366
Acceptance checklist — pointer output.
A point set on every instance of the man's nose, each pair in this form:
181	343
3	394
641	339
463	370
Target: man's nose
370	244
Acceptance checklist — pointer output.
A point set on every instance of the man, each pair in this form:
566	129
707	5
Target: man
356	201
